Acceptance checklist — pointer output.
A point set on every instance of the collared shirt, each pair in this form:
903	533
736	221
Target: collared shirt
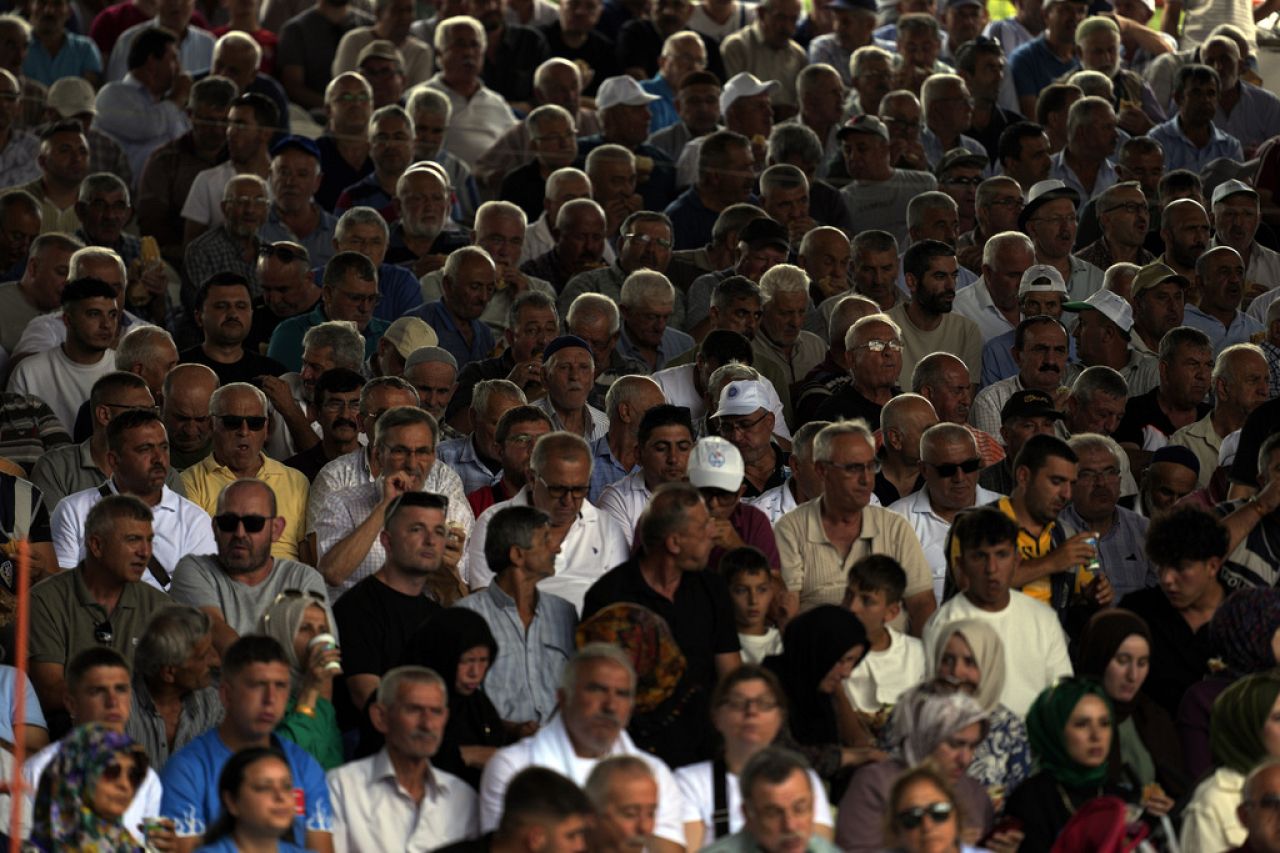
975	303
1181	153
215	251
985	411
594	544
461	455
204	200
1099	254
373	811
52	217
62	383
181	527
368	192
932	529
1121	550
202	710
496	311
1140	371
826	48
997	356
286	340
70	468
806	353
671	141
607	281
812	566
1255	118
597	422
662	112
525	676
883	204
1242	327
674	342
1060	170
476	123
450	334
319	243
746	50
136	119
1085	280
205	480
625	500
605	469
64	615
1261	270
1203	440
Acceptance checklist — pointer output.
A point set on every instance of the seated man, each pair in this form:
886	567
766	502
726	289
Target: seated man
336	404
237	582
538	806
255	690
664	441
185	413
101	602
224	314
138	453
472	455
173	700
625	795
568	368
518	431
240	417
1035	646
775	780
470	280
596	701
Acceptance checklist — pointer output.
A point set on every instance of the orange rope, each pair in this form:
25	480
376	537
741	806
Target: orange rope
20	696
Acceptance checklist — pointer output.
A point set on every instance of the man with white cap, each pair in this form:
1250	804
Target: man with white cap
1041	290
1049	219
623	108
767	50
747	107
1102	335
480	115
746	420
664	442
1220	278
1236	216
877	194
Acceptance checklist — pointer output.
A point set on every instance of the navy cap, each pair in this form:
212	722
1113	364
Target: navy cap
301	143
1178	455
565	342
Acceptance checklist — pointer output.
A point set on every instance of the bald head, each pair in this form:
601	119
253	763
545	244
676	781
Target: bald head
902	421
629	398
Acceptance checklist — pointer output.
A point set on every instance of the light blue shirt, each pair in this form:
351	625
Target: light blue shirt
997	357
77	55
933	150
460	455
606	470
319	243
1181	153
141	123
674	342
195	50
662	113
1255	119
1242	328
1059	170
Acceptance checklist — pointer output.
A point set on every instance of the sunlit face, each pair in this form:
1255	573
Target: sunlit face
629	812
599	706
959	665
780	817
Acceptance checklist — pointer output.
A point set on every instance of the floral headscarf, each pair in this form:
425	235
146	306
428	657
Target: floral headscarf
64	818
648	641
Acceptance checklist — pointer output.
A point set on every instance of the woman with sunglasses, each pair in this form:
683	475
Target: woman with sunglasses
924	815
1070	726
1115	651
933	722
749	710
294	620
256	791
85	792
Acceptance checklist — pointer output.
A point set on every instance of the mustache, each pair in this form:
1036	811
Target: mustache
344	422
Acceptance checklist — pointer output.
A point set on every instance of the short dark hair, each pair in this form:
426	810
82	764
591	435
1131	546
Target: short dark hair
746	560
65	126
127	420
147	45
664	415
1053	99
338	380
917	259
81	289
519	415
975	528
222	279
1186	533
1194	72
112	383
879	573
265	112
1020	333
538	795
1039	449
425	500
511	527
248	650
335	271
726	345
1179	181
89	659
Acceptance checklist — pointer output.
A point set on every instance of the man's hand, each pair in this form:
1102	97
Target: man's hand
454	544
395	485
725	536
1100	591
1076	551
278	392
797	228
516	281
160	835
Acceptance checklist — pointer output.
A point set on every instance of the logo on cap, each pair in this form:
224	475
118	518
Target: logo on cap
715	459
733	392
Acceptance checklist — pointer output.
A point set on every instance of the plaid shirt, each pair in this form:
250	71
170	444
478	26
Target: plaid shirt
18	158
1272	353
213	252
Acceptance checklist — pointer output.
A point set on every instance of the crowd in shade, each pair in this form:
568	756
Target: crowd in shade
639	426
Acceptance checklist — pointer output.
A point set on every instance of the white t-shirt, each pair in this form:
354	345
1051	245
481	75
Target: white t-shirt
204	200
699	798
757	647
881	677
677	384
59	381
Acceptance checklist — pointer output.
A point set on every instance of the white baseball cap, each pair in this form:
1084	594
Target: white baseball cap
742	397
716	464
1041	278
1112	305
622	90
744	84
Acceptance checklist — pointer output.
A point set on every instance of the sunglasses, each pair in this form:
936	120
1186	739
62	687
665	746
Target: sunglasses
103	633
228	522
949	469
113	771
234	422
284	253
936	812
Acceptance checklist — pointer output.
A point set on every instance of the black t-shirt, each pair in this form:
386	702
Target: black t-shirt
599	52
1260	425
309	461
1143	412
525	188
846	402
250	366
1179	656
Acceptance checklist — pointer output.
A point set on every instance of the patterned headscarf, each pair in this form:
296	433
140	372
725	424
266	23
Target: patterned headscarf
1242	627
64	818
1239	713
648	641
1047	727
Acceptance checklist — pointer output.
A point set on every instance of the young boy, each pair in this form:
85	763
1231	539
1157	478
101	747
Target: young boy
895	661
751	585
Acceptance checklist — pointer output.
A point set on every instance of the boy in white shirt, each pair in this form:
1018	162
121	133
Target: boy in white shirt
751	587
894	661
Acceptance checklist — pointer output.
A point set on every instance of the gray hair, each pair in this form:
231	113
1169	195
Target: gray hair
431	355
1252	779
442	32
500	208
849	310
594	305
511	527
732	371
394	111
600	781
215	399
1180	336
1082	441
594	653
1094	84
536	298
343	77
560	176
396	383
1083	111
142	344
486	390
930	370
569	208
235	38
772	765
1099	379
402	416
1116	270
609	152
389	686
863	55
867	321
934	82
824	441
541	72
733	219
646	287
783	278
873	240
342	337
794	142
229	191
944	432
802	439
171	635
18	22
626	389
54	240
1222	366
548	111
925	716
103	182
557	445
931	200
805	78
104	515
1003	239
782	176
212	91
360	216
425	99
458	256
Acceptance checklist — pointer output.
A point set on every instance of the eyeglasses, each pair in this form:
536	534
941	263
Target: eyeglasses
936	812
353	98
862	468
646	239
728	428
764	704
229	522
1134	207
370	299
560	492
103	633
949	469
1112	473
284	252
881	346
234	422
335	405
963	182
114	770
521	439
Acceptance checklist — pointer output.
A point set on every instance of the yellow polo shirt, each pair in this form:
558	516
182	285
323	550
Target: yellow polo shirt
205	480
1031	548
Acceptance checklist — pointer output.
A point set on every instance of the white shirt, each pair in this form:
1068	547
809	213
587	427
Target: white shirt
195	50
594	545
146	802
932	529
1035	649
48	331
695	781
476	122
624	501
372	811
1264	266
551	748
677	384
181	527
757	647
204	200
775	502
59	381
538	241
881	677
975	303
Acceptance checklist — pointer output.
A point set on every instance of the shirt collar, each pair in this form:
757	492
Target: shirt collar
382	770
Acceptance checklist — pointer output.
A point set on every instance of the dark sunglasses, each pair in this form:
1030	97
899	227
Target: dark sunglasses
103	633
912	818
228	522
949	469
137	772
284	252
233	422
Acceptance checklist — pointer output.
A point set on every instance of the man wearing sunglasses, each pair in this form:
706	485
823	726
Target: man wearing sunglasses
240	418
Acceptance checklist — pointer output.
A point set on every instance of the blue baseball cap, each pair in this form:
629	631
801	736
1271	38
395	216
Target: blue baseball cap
301	143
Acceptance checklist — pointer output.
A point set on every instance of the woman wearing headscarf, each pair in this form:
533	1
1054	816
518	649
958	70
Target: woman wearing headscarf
1242	732
820	647
1070	730
1244	635
1115	651
970	655
294	619
85	792
934	722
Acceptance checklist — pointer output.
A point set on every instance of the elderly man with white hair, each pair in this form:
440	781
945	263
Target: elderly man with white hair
782	338
647	302
432	112
596	319
947	111
552	134
480	115
468	283
1085	164
568	374
644	242
563	186
581	235
992	301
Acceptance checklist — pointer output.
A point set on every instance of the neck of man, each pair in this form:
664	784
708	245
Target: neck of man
1062	51
53	40
81	354
251	470
387	180
1200	134
236	740
922	319
333	14
61	193
573	39
1179	413
164	694
1086	168
710	199
1225	316
1061	264
1114	357
104	587
250	841
836	513
253	577
1187	272
623	443
1121	251
222	353
468	86
259	163
1101	525
736	756
1229	96
245	19
352	144
661	573
405	583
1151	340
302	221
334	447
759	470
875	393
523	589
574	420
412	773
98	450
1018	500
1203	608
1227	418
150	497
900	471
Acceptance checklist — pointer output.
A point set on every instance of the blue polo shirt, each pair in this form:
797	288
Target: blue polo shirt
438	318
1034	66
77	55
190	780
661	113
691	220
286	340
1181	153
